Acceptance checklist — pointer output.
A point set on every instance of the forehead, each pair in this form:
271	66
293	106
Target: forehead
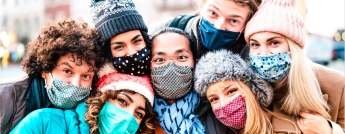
227	8
265	35
126	35
73	60
170	42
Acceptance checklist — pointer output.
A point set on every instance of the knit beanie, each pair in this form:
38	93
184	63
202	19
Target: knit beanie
110	79
222	65
113	17
278	16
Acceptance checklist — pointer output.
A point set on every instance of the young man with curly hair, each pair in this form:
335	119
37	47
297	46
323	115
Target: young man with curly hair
60	65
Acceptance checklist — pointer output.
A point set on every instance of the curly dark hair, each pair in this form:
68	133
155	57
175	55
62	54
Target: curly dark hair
59	38
96	103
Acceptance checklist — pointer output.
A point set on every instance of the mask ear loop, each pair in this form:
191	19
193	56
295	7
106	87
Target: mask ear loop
45	80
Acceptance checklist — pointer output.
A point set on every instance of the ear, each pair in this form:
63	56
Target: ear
44	75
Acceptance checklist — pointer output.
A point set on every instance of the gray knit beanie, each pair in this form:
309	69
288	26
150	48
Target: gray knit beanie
113	17
223	65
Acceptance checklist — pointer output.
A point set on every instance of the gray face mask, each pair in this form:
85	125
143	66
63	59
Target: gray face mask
172	81
66	96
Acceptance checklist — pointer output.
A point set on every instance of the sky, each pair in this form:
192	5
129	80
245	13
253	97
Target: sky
324	17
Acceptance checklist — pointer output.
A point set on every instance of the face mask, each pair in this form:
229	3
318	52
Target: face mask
213	38
271	67
136	64
66	96
233	114
172	81
114	120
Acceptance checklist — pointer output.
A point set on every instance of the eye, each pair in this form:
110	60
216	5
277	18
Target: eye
273	43
137	41
67	71
87	76
118	47
182	57
158	60
214	99
139	115
122	102
254	45
212	13
234	21
231	91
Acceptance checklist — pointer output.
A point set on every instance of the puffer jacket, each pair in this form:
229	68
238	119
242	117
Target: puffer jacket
54	121
192	30
17	99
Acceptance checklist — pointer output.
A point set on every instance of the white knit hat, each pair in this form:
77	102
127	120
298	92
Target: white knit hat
278	16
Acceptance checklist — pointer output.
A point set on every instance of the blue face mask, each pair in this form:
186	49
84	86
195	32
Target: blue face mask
114	120
271	67
213	38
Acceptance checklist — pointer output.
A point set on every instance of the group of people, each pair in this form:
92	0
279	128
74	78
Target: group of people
235	67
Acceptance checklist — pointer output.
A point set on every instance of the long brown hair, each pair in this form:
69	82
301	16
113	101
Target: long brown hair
96	103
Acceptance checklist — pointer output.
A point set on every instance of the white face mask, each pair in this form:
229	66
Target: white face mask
64	95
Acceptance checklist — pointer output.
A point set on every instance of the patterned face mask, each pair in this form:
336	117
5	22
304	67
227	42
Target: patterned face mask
271	67
114	120
233	114
172	81
136	64
66	96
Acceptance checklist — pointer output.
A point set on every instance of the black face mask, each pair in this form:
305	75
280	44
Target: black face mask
137	64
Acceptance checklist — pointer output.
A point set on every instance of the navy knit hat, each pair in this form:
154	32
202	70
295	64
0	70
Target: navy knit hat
221	65
113	17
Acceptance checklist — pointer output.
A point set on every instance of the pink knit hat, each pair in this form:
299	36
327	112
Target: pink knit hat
110	79
278	16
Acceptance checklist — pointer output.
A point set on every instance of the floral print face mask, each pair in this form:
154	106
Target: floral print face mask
271	67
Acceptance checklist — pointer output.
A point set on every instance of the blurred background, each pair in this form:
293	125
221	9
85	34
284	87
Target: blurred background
21	20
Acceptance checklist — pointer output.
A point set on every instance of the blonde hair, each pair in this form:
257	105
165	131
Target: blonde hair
304	92
257	122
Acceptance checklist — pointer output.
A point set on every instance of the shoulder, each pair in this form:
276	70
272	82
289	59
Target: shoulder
51	120
329	79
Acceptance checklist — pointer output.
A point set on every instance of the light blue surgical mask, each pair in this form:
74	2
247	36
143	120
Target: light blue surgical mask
271	67
213	38
114	120
64	95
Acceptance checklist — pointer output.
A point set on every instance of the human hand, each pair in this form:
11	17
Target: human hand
313	123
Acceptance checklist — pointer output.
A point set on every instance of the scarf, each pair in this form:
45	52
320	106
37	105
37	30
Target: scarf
37	97
179	117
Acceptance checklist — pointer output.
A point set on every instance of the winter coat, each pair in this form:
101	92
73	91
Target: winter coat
192	30
53	120
17	99
333	88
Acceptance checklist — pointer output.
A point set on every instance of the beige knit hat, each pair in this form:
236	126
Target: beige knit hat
278	16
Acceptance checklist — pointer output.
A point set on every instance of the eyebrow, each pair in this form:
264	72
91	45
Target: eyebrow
177	51
221	91
120	42
67	64
130	98
272	38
